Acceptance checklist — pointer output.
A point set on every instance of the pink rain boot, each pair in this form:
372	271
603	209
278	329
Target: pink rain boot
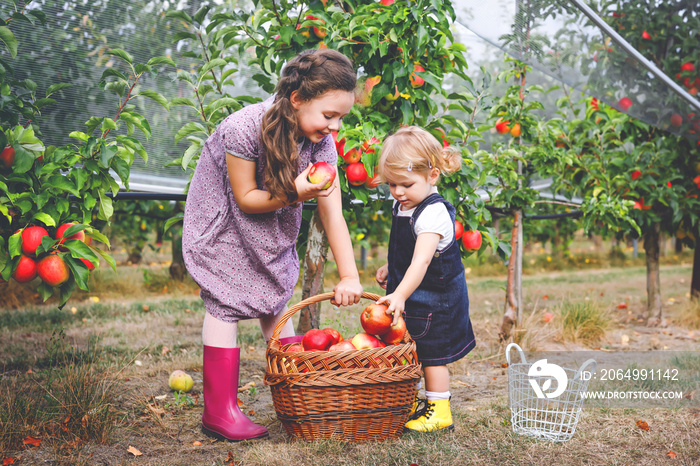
294	339
222	418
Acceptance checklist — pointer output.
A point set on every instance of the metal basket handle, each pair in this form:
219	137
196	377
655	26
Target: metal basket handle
583	366
520	350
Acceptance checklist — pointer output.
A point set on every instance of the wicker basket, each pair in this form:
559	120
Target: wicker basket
355	395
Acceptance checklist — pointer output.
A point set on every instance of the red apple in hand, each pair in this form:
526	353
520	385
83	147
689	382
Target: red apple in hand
320	171
337	337
53	270
31	239
395	333
316	340
26	269
365	341
375	320
471	240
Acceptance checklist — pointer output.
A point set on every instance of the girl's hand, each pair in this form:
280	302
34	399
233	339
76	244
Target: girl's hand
307	190
348	291
382	274
397	303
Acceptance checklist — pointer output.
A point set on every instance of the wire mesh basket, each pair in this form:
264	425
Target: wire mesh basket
545	398
354	395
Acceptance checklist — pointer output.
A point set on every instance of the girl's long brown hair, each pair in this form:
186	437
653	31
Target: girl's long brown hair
311	73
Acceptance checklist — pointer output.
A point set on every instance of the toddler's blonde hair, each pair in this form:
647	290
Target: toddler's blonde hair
416	150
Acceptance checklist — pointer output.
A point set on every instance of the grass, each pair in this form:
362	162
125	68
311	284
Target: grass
109	352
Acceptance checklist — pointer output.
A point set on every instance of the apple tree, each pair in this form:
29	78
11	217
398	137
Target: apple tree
404	53
50	197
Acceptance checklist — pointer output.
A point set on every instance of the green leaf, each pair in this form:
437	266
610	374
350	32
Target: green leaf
107	259
106	207
162	61
179	14
44	218
97	235
124	55
188	129
57	87
122	168
45	291
80	250
112	72
9	39
14	245
61	183
173	220
217	62
155	96
183	101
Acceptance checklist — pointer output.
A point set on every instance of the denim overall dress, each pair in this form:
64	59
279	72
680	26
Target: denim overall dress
437	313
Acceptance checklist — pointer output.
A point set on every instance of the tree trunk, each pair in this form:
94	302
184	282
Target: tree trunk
178	271
510	316
651	248
312	282
695	281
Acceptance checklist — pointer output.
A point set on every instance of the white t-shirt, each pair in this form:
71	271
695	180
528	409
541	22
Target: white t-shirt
434	219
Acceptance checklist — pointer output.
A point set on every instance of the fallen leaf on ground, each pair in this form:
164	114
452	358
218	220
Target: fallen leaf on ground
156	410
28	440
134	451
164	351
7	460
624	339
251	412
671	455
85	421
240	403
229	461
196	443
246	387
622	306
690	395
643	425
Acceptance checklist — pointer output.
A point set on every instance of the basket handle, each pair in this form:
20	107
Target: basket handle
520	350
274	339
583	366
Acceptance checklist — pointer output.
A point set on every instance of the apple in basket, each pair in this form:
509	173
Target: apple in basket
395	335
375	320
316	340
365	341
337	337
344	345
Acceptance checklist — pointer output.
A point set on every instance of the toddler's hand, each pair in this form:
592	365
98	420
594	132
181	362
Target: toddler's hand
381	275
307	190
396	306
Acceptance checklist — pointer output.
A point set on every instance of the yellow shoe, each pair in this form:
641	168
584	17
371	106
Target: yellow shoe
437	416
418	408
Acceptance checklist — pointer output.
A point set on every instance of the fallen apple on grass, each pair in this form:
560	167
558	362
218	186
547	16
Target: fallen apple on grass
180	381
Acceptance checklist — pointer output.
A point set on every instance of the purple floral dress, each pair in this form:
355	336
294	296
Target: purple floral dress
246	264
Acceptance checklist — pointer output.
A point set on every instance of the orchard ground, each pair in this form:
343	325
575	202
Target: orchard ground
147	325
